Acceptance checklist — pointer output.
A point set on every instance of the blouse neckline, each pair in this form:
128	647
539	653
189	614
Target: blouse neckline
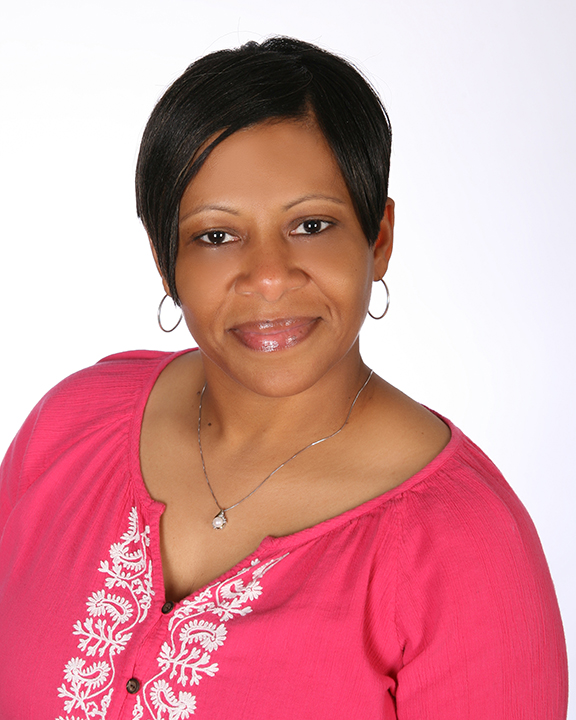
271	542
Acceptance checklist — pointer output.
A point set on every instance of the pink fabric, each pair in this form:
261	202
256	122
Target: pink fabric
431	602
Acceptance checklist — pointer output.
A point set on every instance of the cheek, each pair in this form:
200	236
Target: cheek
342	272
203	282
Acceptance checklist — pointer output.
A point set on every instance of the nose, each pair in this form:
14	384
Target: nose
270	270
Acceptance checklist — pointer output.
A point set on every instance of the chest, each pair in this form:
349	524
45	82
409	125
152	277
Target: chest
267	488
304	495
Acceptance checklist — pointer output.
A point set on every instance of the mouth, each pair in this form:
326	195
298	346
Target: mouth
273	335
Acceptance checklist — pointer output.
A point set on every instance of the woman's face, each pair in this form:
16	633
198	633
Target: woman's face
273	271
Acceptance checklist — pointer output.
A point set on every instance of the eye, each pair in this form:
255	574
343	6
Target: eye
215	237
313	226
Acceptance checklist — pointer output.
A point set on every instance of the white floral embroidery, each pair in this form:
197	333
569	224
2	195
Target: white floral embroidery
196	630
108	627
138	710
186	657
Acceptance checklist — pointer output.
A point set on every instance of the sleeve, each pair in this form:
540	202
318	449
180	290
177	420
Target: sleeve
477	615
12	475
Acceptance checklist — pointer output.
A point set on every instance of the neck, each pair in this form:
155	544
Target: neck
240	414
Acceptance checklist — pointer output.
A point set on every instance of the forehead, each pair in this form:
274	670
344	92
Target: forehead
269	162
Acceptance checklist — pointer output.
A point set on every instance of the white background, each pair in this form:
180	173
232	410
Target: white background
482	101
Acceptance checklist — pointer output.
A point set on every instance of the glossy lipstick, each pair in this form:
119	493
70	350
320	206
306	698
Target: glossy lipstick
274	335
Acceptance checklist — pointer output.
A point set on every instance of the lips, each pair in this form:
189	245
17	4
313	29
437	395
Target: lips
274	335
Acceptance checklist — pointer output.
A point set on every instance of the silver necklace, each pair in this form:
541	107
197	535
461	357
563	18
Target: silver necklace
220	520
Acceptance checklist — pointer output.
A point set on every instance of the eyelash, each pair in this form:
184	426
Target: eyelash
214	232
324	225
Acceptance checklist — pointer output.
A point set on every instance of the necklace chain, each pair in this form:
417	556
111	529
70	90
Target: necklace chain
220	520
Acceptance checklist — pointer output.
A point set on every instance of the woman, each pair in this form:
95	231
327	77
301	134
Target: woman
263	527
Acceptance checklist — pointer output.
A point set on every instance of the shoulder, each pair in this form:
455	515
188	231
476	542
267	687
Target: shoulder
467	541
460	502
110	382
111	386
121	370
445	489
462	489
102	397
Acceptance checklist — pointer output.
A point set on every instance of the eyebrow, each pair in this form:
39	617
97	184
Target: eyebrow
202	208
288	206
304	198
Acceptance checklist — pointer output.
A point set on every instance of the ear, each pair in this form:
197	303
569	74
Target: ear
164	283
383	245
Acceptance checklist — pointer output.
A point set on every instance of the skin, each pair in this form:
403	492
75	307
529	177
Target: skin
274	275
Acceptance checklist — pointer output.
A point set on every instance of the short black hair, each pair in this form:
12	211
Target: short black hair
228	90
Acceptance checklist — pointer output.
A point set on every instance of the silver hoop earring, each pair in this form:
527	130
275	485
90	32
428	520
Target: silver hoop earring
160	319
379	317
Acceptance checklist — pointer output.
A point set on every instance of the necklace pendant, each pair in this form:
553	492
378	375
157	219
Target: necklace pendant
219	521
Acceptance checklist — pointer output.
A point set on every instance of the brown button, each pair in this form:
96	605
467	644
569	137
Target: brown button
167	607
133	686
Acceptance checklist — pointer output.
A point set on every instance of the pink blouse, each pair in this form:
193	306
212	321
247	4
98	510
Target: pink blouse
430	602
